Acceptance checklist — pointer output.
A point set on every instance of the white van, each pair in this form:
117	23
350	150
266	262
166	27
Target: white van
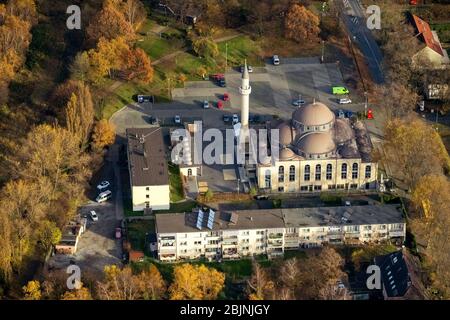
275	60
102	197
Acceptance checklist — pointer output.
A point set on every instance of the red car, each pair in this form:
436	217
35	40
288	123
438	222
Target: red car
220	104
369	114
226	97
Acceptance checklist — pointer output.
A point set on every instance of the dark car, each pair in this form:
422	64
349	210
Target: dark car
153	120
344	113
222	82
254	118
226	118
261	197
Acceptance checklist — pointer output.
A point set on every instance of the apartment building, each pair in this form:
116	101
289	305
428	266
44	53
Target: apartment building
238	234
147	164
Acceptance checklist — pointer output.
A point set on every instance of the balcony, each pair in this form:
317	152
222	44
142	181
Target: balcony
396	233
275	235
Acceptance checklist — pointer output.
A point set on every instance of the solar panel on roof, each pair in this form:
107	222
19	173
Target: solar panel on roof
200	219
211	219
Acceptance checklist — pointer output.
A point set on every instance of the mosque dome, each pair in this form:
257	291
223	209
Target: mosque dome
314	114
316	143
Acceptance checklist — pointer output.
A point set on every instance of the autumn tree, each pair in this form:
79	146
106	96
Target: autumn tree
140	64
109	23
112	55
80	114
104	134
52	158
23	9
151	284
196	283
412	149
301	24
118	284
396	100
48	234
205	47
430	203
82	293
260	286
32	291
318	276
81	66
134	12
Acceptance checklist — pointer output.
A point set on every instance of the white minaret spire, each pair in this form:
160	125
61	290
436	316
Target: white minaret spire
245	91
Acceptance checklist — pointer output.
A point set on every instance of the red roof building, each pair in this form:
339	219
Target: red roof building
432	50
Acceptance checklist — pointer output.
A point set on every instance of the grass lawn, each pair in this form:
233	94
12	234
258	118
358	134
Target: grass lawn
179	207
137	231
156	47
241	48
126	93
175	184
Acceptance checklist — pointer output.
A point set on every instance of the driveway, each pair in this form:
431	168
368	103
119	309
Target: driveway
97	247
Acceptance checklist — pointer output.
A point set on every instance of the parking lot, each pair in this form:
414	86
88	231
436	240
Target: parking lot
273	90
97	246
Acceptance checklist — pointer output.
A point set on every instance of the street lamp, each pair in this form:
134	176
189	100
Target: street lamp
365	104
238	180
323	51
226	56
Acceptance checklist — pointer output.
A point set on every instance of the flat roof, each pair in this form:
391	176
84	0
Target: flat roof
147	157
343	215
246	220
282	218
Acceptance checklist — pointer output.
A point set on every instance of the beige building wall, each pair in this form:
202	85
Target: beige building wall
155	197
338	181
427	57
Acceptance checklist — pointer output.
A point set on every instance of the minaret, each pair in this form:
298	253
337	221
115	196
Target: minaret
245	91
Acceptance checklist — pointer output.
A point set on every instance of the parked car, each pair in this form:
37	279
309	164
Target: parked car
275	60
226	97
249	68
153	120
261	197
94	216
344	113
219	79
220	104
206	104
104	196
226	118
177	119
103	185
345	101
298	102
340	90
118	233
235	118
142	98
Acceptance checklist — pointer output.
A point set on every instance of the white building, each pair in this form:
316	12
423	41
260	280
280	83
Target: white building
244	233
147	165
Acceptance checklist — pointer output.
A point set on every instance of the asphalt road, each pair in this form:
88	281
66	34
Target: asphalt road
353	15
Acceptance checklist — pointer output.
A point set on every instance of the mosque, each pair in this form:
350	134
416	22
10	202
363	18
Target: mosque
317	151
